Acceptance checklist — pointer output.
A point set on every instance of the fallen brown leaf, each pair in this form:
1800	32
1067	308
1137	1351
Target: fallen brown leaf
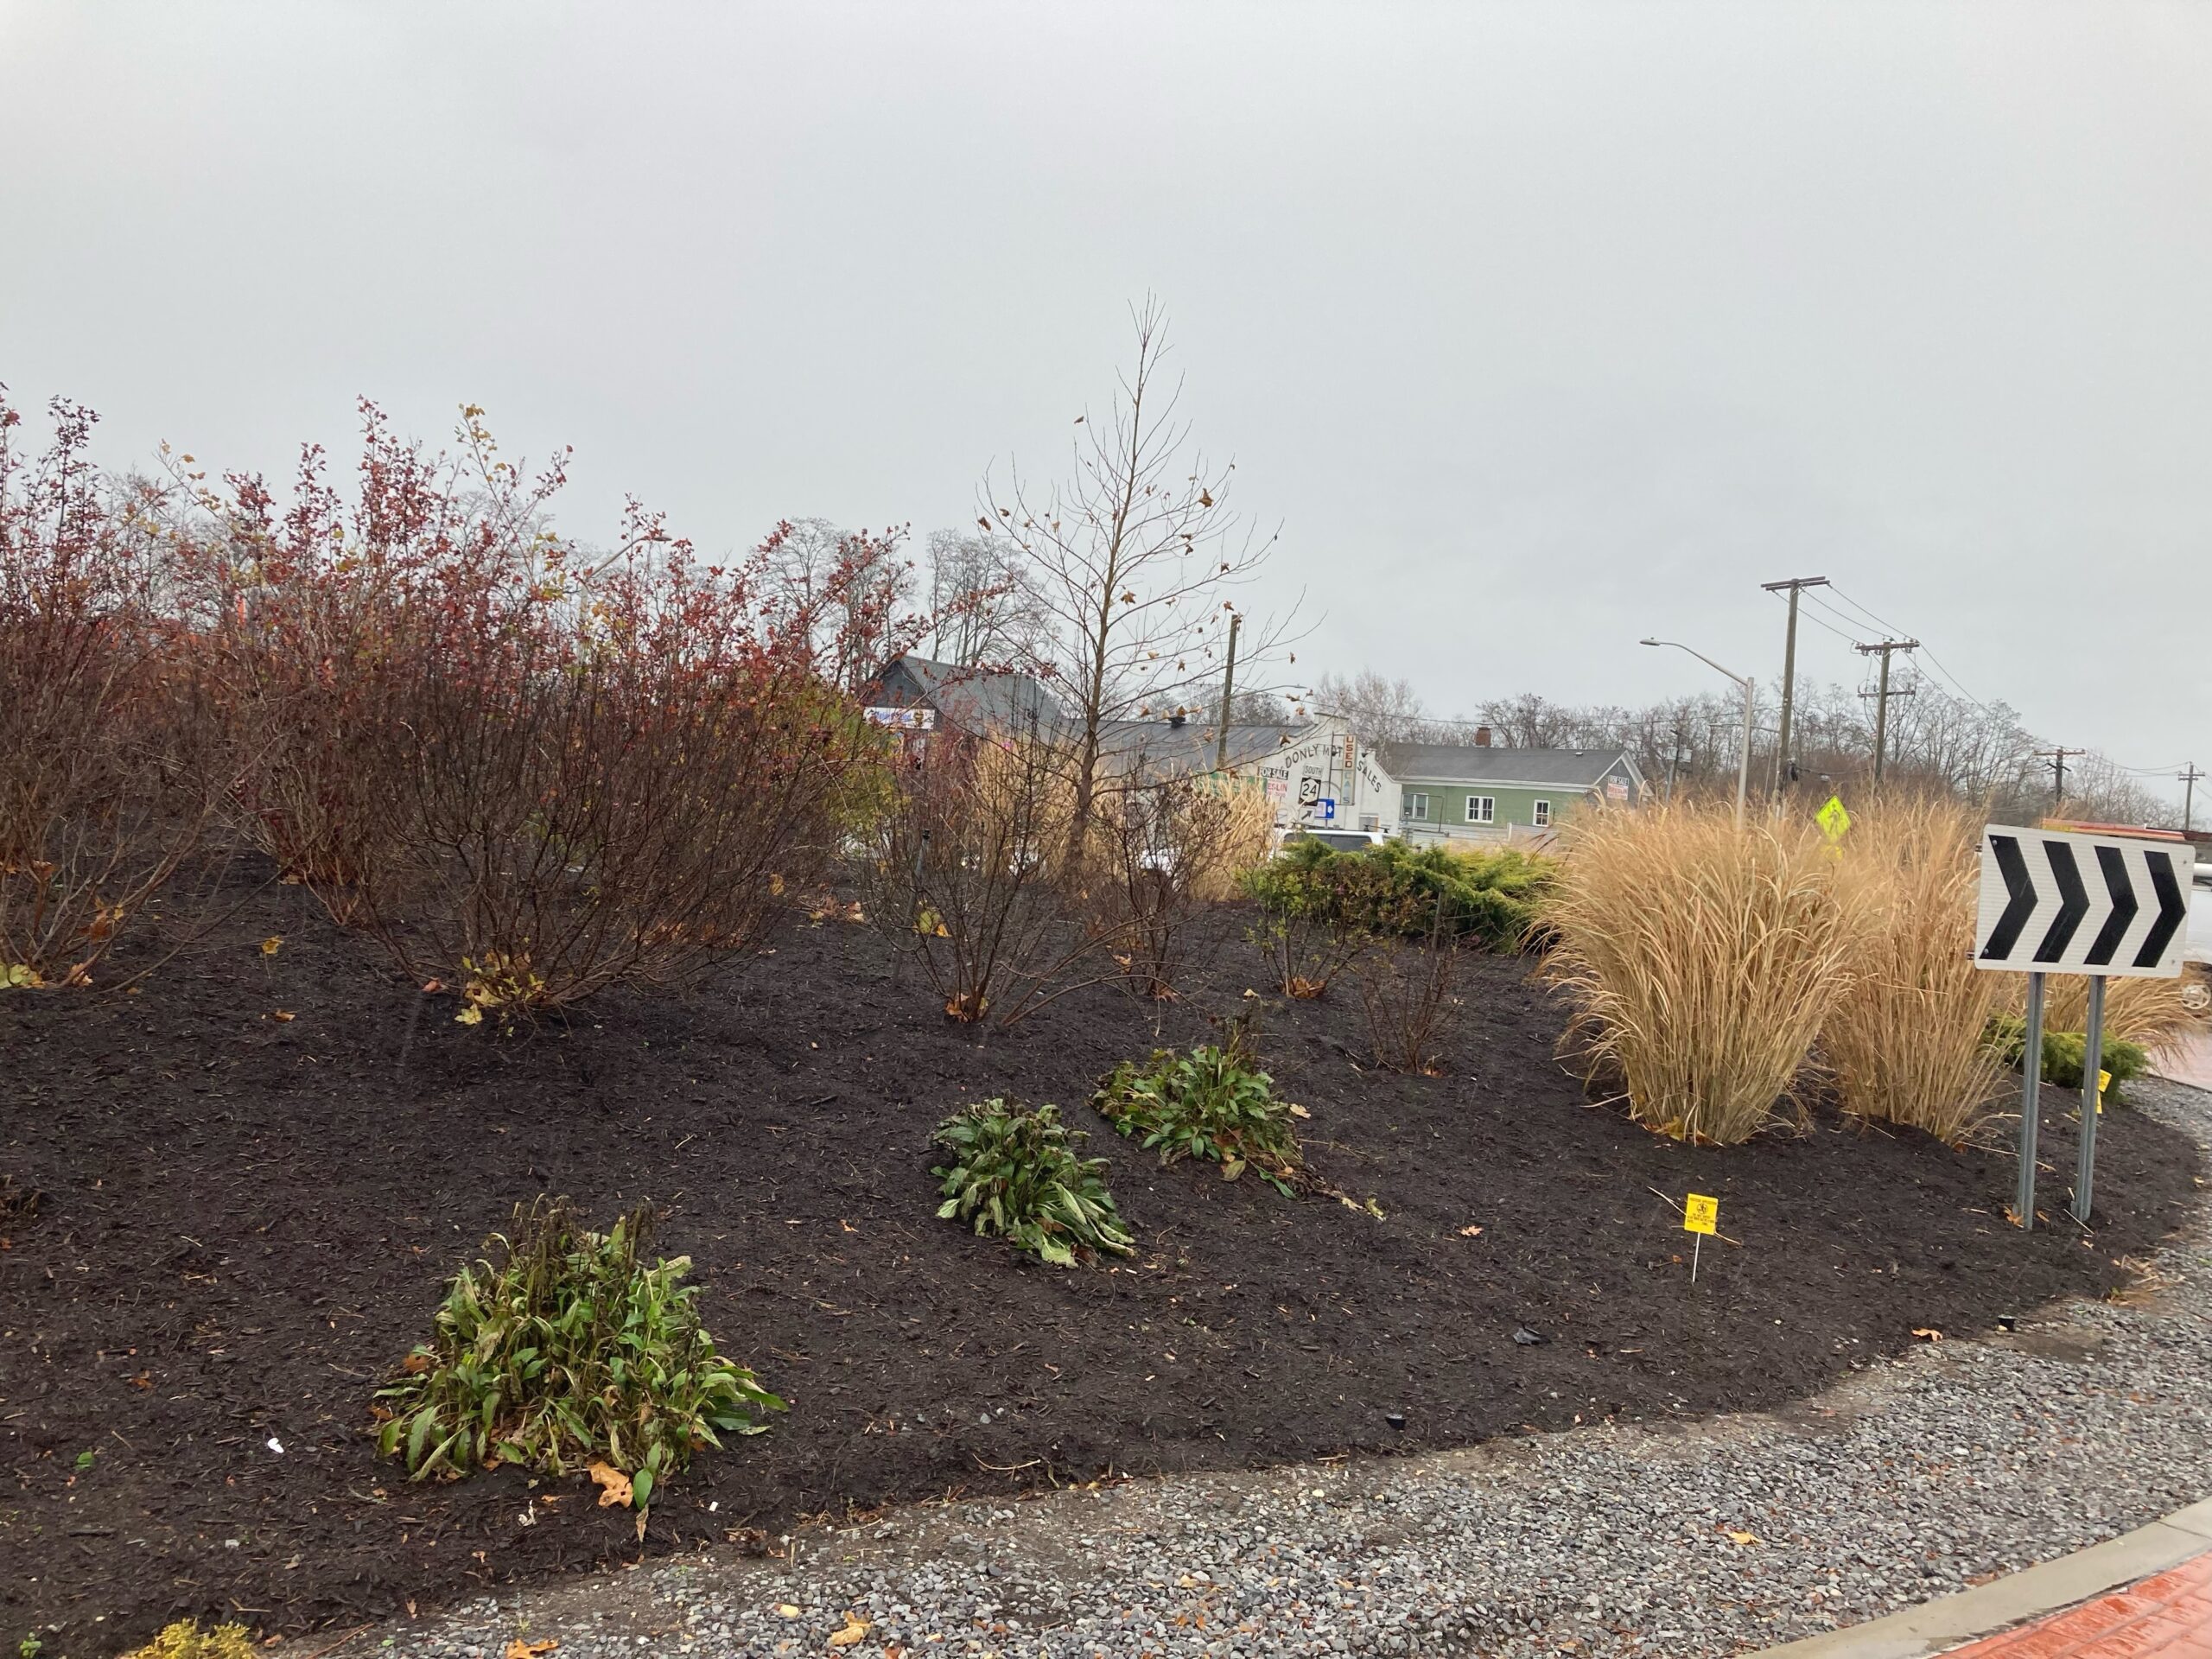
856	1628
282	1016
614	1484
1928	1333
1471	1232
1744	1538
519	1648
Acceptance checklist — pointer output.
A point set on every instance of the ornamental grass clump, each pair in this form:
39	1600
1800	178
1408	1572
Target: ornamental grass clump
1905	1042
1211	1103
562	1350
1013	1174
1703	961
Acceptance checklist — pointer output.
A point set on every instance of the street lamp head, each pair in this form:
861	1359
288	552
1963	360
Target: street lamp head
1651	642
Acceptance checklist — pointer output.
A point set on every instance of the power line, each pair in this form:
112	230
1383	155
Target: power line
1891	627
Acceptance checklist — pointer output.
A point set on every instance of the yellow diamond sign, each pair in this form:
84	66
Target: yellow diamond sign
1835	822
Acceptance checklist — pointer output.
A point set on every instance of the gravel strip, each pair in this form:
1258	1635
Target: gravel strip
1963	1460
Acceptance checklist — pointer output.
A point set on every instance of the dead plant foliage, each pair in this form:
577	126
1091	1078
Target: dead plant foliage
1703	961
1906	1040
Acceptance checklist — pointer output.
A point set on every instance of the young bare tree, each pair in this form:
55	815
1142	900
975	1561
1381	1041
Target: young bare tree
856	590
1135	559
983	605
1378	709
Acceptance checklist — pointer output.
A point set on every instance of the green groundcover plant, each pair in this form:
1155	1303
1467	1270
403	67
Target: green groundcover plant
1015	1173
2063	1052
1397	891
563	1349
1210	1104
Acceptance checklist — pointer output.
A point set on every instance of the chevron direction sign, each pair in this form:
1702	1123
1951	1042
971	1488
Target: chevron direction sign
2054	902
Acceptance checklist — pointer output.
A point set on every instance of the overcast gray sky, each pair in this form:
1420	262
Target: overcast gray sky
1540	327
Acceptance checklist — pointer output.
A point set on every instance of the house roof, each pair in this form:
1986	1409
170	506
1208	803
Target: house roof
1467	763
1193	746
968	697
973	698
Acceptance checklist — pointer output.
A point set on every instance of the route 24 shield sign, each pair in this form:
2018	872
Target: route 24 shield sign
2054	902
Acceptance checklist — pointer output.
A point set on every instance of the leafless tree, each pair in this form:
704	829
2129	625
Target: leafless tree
1136	558
983	603
855	589
1378	709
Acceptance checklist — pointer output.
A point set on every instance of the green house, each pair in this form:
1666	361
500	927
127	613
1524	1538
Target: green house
1460	792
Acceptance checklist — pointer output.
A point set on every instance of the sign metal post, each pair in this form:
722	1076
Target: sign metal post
2102	906
2092	1097
2031	1105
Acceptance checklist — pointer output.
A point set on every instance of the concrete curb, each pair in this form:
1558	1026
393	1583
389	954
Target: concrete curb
2048	1588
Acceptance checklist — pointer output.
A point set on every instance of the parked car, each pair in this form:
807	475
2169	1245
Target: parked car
1339	841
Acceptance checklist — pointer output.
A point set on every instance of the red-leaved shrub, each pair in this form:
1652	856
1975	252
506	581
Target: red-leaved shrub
106	751
528	770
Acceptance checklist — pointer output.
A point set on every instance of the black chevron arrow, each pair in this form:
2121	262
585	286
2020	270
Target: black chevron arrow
2125	904
2073	902
2020	900
2171	909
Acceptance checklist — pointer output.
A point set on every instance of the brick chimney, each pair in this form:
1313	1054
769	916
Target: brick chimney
1482	737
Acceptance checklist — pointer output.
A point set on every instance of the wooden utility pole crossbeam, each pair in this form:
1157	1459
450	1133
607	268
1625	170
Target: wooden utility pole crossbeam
1887	649
1792	587
2057	759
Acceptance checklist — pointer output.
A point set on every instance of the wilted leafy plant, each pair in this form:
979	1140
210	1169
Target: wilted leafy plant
1210	1104
1015	1173
184	1640
566	1350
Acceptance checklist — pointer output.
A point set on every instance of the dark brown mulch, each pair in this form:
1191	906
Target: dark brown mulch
247	1221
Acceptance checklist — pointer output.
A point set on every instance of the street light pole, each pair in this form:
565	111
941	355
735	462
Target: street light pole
1750	698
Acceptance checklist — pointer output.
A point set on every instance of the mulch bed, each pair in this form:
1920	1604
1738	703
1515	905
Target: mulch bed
247	1221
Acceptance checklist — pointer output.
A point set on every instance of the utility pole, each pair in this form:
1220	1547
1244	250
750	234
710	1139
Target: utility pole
1673	761
1228	690
2188	794
1886	649
2057	759
1789	666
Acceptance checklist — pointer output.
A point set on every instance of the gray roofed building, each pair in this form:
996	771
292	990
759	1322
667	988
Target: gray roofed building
1468	763
967	699
977	699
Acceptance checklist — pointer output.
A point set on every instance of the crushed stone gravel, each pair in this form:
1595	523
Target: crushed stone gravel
1963	1460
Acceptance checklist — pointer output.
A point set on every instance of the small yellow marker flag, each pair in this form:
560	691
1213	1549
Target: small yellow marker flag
1835	822
2104	1081
1701	1216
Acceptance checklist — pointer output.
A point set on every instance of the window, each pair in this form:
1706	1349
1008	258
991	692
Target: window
1482	809
1419	810
1543	815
